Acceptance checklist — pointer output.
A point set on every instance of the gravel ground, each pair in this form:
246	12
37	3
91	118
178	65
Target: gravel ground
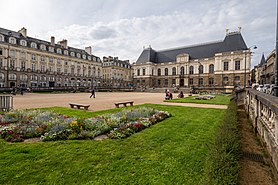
103	100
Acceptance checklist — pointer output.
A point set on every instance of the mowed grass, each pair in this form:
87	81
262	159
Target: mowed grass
218	100
173	151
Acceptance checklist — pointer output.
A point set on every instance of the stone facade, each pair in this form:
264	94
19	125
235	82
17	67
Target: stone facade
30	62
117	73
209	70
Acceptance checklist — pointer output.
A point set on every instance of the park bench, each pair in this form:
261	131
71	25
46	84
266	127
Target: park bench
6	103
117	104
78	106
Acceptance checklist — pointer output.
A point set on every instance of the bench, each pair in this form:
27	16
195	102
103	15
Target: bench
123	103
6	103
78	106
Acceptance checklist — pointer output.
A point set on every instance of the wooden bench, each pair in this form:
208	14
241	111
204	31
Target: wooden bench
78	106
123	103
6	103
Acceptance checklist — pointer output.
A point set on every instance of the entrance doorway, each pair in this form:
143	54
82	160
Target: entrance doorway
181	82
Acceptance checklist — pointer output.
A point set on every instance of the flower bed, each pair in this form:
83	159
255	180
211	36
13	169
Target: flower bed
19	125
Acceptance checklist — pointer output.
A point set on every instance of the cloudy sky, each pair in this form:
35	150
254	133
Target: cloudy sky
122	27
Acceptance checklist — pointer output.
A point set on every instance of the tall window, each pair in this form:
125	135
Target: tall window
211	81
33	57
33	67
1	62
43	68
190	81
225	80
158	72
173	81
1	52
182	70
158	82
138	72
144	72
42	58
174	71
191	70
166	82
237	65
226	66
23	64
166	71
211	68
201	81
201	69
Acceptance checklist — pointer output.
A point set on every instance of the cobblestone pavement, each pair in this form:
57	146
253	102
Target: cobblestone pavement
103	100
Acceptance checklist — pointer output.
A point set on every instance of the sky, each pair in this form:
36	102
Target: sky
123	27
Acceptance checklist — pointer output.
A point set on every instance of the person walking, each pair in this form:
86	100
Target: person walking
93	93
21	91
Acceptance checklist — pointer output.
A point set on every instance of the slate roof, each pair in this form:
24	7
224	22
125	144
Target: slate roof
263	61
232	42
18	36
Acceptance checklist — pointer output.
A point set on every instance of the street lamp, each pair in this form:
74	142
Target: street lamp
254	47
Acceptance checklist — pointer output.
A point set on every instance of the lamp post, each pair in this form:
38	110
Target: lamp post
254	47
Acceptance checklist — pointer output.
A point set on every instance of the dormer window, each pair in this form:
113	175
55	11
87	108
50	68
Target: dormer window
72	54
78	55
89	58
1	38
66	52
33	45
51	49
12	40
23	43
59	51
43	47
84	57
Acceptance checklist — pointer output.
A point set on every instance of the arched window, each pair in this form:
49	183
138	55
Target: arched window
12	76
23	77
12	40
211	68
166	71
182	70
33	45
138	72
78	55
201	69
1	38
2	76
159	72
191	70
23	43
59	51
43	47
174	72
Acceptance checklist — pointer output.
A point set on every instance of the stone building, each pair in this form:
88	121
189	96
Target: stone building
221	64
267	75
116	73
31	62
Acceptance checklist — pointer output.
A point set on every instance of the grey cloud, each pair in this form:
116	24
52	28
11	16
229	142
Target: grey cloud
103	32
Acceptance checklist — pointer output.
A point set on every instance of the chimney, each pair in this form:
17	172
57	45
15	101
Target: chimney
52	39
64	43
23	31
88	50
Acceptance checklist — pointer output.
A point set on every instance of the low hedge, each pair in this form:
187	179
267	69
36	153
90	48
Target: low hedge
225	151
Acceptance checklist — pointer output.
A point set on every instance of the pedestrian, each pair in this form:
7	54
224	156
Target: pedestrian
21	91
93	93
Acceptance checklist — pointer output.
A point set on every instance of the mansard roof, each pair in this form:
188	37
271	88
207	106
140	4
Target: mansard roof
9	33
232	42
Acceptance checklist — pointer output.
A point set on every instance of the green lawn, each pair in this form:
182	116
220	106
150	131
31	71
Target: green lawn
173	151
218	100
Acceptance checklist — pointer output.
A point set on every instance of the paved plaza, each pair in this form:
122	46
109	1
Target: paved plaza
103	100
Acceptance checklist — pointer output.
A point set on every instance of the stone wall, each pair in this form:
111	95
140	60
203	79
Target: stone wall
263	111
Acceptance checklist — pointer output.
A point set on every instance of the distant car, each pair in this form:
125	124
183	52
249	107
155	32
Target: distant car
266	87
260	88
270	90
255	85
